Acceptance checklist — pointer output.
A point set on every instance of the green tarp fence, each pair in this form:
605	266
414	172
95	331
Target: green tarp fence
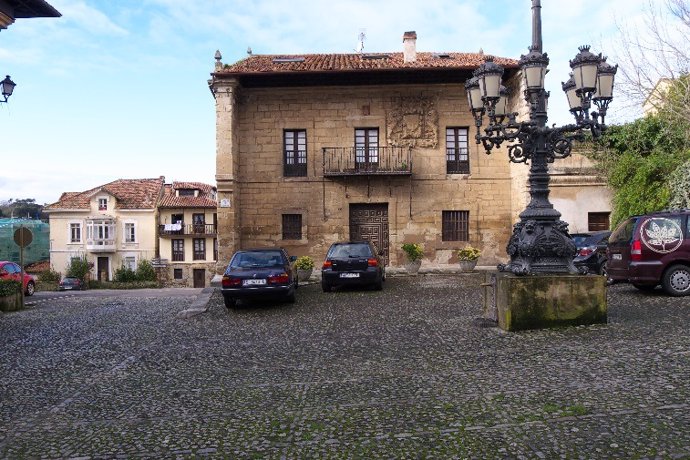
37	251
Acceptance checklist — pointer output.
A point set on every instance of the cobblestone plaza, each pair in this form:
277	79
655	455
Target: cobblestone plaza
408	372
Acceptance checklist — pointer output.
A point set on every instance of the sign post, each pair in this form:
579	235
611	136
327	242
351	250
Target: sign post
23	237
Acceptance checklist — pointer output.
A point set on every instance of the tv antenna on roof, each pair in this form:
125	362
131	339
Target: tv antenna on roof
360	43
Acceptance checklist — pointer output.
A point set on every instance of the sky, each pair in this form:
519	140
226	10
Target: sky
118	88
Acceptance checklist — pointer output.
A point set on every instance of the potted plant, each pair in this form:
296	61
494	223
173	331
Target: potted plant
468	258
414	253
304	266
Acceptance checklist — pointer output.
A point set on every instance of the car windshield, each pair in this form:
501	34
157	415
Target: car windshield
256	259
345	251
580	238
594	240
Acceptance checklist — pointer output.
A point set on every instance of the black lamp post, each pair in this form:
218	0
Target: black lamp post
540	242
7	88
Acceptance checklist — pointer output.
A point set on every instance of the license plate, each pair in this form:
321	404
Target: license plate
617	257
66	288
349	275
253	282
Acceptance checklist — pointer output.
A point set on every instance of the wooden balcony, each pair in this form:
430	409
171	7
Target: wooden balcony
176	230
375	161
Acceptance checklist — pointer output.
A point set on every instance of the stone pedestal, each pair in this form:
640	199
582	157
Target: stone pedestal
553	300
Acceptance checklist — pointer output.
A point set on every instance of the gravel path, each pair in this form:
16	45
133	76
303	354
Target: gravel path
407	372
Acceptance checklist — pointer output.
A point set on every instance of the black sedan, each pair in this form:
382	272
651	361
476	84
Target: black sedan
591	251
70	284
353	263
259	273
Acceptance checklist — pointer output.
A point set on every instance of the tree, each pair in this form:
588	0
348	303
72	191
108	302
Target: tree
26	207
652	56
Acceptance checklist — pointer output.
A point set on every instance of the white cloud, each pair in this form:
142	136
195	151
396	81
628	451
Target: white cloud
87	18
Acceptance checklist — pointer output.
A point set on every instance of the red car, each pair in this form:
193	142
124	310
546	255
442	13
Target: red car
12	271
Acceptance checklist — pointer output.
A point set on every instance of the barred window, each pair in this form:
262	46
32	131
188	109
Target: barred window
292	226
177	273
199	249
455	226
178	250
457	153
598	221
295	152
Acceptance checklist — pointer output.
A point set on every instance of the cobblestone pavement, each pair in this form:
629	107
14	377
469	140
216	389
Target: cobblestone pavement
407	372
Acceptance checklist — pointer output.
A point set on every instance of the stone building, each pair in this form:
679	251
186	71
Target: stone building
313	149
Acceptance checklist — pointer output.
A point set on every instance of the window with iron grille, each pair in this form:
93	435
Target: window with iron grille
199	249
366	146
455	226
295	152
457	153
292	226
177	273
178	250
598	221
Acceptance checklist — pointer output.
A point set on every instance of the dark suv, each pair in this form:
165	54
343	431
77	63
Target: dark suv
652	249
353	263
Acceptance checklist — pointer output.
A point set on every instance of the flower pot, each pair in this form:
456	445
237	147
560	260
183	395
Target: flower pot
304	275
467	265
412	267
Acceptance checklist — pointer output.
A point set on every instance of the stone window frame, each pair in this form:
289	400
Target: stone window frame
294	152
456	149
177	271
292	226
455	225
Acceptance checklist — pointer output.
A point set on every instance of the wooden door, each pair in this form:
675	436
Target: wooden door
370	222
103	267
199	278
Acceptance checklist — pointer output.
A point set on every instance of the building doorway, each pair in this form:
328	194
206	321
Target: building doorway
370	222
103	268
199	275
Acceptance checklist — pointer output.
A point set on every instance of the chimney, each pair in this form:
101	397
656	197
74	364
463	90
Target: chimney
410	46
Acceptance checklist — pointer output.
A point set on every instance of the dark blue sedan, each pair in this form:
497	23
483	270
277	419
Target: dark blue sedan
259	273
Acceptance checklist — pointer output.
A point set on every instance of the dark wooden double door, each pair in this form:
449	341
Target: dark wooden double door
370	222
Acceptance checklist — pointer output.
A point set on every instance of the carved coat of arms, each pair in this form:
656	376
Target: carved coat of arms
413	122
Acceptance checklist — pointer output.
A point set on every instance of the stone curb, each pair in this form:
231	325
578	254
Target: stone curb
199	306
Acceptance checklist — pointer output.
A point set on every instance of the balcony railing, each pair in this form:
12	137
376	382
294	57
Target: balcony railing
186	229
100	245
372	161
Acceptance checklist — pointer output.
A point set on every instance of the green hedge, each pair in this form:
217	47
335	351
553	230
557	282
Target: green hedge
9	287
94	284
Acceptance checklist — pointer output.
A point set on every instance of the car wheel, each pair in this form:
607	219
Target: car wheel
644	287
676	280
326	287
30	288
230	302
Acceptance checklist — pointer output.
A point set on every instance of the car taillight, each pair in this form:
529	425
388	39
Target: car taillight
372	262
586	251
283	278
327	264
636	250
229	281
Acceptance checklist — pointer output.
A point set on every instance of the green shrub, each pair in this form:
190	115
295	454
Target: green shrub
79	267
50	276
304	263
125	275
9	287
413	251
145	271
469	253
94	284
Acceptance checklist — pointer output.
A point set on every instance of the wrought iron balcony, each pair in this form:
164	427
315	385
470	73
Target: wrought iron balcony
371	161
171	230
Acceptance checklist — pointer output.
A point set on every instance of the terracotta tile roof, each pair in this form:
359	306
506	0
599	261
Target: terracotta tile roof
204	200
129	193
357	62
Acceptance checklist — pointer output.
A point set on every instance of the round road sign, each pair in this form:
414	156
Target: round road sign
23	237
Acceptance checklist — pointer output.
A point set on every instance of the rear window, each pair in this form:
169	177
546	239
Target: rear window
624	232
345	251
255	259
580	238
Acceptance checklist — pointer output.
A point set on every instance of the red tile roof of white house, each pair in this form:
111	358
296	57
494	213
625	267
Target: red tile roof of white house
129	193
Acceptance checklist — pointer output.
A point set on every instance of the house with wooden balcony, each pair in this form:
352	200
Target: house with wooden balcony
317	148
187	235
112	225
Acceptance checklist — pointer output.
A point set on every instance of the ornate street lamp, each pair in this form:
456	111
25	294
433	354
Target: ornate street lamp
7	88
540	242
